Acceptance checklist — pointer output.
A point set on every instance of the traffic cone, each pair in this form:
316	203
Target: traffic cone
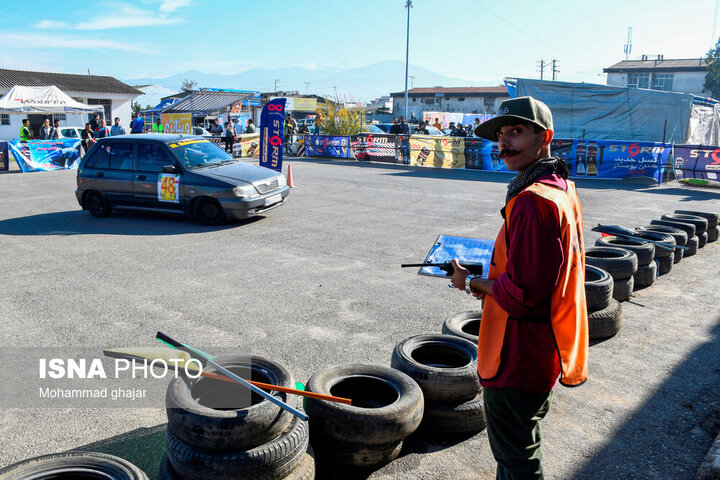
289	177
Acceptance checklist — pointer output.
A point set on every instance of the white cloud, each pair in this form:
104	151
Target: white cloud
51	24
172	5
57	42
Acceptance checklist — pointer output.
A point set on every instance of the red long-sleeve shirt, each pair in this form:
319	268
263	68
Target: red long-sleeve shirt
529	357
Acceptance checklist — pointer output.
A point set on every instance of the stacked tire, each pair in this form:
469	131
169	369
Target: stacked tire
387	406
445	368
664	255
645	252
681	238
712	219
605	314
621	264
464	325
76	465
219	430
693	241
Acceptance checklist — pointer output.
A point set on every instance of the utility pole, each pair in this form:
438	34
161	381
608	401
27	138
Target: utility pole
337	99
408	5
276	82
307	87
628	45
554	69
542	68
412	81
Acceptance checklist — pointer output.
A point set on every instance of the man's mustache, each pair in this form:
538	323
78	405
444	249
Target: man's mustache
507	151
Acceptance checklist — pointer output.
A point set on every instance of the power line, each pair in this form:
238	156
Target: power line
412	81
542	68
554	69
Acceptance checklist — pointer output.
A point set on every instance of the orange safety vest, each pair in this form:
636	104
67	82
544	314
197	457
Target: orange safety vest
568	309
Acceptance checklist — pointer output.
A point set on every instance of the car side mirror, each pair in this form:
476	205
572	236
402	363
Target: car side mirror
169	169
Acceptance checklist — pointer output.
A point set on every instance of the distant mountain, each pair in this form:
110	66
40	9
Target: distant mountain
359	84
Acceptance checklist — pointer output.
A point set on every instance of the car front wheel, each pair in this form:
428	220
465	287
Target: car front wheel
208	212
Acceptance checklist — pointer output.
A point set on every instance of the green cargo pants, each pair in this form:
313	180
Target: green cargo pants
513	427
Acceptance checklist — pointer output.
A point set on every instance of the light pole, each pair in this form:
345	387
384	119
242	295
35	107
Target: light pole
408	5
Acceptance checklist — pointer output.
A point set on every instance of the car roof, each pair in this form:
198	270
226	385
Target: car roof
158	137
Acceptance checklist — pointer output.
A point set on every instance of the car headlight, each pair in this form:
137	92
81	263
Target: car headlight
245	191
282	181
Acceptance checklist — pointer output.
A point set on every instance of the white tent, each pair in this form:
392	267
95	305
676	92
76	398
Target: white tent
43	100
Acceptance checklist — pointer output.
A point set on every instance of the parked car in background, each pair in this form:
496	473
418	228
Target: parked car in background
71	132
175	174
201	132
310	122
385	127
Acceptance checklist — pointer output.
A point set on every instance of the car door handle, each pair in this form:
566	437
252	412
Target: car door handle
100	174
141	177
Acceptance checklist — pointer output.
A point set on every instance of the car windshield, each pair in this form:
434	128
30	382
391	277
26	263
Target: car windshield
199	153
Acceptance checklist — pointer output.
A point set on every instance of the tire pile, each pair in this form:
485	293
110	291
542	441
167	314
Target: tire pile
445	367
617	266
218	430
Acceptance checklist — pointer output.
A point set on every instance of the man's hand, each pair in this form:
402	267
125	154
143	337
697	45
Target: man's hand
481	286
459	275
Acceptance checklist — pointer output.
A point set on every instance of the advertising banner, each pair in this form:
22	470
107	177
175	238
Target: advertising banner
300	146
180	123
43	155
327	146
272	121
305	104
374	146
247	145
697	161
4	158
429	151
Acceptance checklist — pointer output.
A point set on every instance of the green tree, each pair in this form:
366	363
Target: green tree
712	79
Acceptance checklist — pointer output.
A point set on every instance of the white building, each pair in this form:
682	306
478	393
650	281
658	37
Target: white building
481	100
115	96
672	75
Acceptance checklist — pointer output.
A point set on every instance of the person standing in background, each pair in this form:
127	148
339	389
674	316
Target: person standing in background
117	129
55	131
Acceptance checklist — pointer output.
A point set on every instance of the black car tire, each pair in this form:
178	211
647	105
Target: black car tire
269	461
305	470
97	205
208	211
645	251
598	288
645	276
660	251
166	471
387	404
228	426
712	218
445	366
702	240
623	288
692	244
356	455
448	418
606	322
618	262
73	465
680	236
678	255
665	264
701	224
464	324
713	234
688	228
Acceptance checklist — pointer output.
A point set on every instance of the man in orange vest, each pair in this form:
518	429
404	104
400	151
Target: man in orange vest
534	327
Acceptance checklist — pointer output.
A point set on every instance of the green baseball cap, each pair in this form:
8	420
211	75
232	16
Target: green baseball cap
513	111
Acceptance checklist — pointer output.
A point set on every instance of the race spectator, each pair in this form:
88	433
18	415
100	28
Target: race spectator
318	122
421	130
215	128
117	129
403	128
95	122
158	126
55	130
102	131
475	125
459	131
45	130
230	136
87	137
290	131
137	125
412	118
25	133
395	127
250	126
437	124
304	129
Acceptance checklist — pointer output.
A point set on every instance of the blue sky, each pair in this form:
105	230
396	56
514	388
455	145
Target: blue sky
480	41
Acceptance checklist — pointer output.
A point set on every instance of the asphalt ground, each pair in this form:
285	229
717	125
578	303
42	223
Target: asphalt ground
317	282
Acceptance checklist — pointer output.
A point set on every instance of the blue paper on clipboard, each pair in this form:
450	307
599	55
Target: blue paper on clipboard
466	250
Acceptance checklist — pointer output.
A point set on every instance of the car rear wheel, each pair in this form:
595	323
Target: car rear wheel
97	205
208	211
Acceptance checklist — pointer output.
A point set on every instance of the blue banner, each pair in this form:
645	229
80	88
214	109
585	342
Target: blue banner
326	146
4	158
697	161
272	122
43	155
